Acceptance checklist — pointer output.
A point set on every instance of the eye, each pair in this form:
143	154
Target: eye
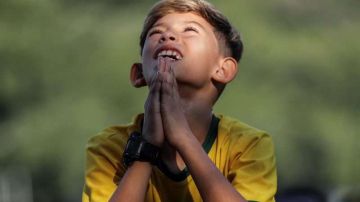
154	31
190	28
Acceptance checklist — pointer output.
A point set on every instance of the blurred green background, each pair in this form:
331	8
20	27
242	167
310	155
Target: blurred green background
64	69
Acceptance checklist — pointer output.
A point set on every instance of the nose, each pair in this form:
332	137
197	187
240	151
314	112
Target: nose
168	36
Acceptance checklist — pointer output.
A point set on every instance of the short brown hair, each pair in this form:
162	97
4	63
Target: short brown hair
223	29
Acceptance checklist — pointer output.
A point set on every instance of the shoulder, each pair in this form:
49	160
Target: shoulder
241	137
110	137
235	129
111	141
251	159
104	168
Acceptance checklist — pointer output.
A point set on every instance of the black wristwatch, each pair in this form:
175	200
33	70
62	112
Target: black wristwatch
137	149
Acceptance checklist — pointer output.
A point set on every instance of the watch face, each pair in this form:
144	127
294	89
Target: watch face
132	146
139	150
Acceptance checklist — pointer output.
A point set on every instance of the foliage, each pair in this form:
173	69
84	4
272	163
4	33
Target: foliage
64	76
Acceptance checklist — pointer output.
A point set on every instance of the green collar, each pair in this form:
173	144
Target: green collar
210	139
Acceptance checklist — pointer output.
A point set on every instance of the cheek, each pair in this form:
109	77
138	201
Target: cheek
146	53
148	48
146	60
206	48
205	56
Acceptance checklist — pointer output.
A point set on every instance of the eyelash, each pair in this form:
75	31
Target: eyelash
191	29
155	31
158	31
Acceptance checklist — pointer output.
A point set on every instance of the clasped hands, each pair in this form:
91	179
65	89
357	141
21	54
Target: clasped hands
164	118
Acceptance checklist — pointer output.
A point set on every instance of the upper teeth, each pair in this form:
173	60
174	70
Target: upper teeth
170	53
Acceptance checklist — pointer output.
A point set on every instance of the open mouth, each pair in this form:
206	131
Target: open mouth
172	54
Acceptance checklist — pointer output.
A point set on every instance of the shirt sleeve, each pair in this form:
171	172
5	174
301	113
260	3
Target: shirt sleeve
103	168
253	170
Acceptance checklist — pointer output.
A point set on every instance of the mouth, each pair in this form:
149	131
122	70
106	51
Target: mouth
171	53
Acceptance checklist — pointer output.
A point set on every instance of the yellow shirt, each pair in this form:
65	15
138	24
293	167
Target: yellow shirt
244	155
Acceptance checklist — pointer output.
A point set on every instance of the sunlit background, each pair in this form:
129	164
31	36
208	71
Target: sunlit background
64	69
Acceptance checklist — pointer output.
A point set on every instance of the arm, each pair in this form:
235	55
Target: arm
212	185
104	171
252	170
134	183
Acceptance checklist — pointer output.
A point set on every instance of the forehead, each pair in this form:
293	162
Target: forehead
183	18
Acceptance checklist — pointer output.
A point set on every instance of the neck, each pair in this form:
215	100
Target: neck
198	118
197	107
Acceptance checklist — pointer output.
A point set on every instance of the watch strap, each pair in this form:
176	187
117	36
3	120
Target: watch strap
138	149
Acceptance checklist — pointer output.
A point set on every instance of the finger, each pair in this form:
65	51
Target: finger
152	102
170	78
175	89
166	81
167	64
152	80
156	89
167	69
173	78
161	64
154	76
166	90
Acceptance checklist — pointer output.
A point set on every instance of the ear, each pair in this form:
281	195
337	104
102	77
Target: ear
226	71
136	75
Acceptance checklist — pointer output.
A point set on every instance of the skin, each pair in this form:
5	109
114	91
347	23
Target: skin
178	109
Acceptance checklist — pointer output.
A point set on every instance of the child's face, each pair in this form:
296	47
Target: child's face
190	41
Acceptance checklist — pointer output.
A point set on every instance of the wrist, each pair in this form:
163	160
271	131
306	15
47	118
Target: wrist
152	141
182	139
143	165
138	149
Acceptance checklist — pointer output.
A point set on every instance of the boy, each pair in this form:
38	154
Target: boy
178	150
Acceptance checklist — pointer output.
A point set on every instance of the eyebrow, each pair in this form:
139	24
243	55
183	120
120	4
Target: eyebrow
157	25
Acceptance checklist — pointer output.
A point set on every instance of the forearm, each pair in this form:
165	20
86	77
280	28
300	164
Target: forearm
133	184
212	185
